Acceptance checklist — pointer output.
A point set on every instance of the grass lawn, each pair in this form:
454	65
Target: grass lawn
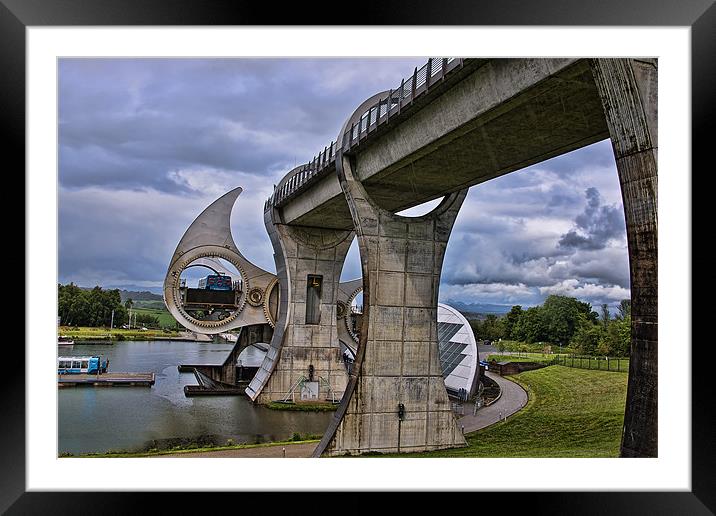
154	304
87	333
303	406
166	320
620	364
570	413
528	357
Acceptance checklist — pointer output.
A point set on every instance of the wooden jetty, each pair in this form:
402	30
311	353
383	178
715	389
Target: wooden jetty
106	380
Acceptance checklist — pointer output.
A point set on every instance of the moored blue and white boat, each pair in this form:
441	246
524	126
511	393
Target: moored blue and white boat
81	364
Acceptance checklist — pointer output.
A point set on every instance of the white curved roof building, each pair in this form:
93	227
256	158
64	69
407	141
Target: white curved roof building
458	351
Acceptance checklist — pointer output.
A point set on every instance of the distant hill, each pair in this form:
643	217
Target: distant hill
143	295
137	288
150	305
479	308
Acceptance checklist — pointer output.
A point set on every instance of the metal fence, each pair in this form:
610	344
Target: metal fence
397	99
619	364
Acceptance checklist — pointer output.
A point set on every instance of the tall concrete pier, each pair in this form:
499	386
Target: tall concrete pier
396	399
628	89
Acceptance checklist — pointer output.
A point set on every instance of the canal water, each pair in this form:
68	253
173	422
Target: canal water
100	419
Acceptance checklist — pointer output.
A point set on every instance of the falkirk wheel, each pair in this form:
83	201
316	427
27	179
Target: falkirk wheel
253	298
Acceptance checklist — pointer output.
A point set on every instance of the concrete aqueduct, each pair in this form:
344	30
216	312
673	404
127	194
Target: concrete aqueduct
453	124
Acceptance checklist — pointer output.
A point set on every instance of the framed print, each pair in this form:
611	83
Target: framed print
42	44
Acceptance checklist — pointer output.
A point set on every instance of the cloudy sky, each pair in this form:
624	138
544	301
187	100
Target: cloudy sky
147	144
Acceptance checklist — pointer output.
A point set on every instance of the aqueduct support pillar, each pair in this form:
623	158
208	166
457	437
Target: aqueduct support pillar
305	340
628	89
396	399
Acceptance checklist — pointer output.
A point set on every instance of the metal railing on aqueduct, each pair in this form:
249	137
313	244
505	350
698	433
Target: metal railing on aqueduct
397	100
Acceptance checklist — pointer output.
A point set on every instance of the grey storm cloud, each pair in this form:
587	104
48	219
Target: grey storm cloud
132	121
596	225
146	144
505	244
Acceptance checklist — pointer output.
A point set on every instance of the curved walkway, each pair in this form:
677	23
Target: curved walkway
512	398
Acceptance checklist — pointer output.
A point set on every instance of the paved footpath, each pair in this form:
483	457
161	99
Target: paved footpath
512	399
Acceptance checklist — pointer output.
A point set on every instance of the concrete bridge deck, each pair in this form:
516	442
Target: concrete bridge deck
489	118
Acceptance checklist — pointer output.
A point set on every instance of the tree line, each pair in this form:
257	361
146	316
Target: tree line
563	321
93	307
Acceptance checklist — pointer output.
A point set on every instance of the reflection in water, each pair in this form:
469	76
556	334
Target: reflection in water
98	419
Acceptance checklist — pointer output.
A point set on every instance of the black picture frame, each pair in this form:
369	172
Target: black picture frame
700	15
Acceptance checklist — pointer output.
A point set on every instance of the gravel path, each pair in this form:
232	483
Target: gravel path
292	451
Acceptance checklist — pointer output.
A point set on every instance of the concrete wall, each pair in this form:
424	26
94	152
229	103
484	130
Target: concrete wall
508	368
295	345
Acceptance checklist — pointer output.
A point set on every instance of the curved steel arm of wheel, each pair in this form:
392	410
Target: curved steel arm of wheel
207	240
